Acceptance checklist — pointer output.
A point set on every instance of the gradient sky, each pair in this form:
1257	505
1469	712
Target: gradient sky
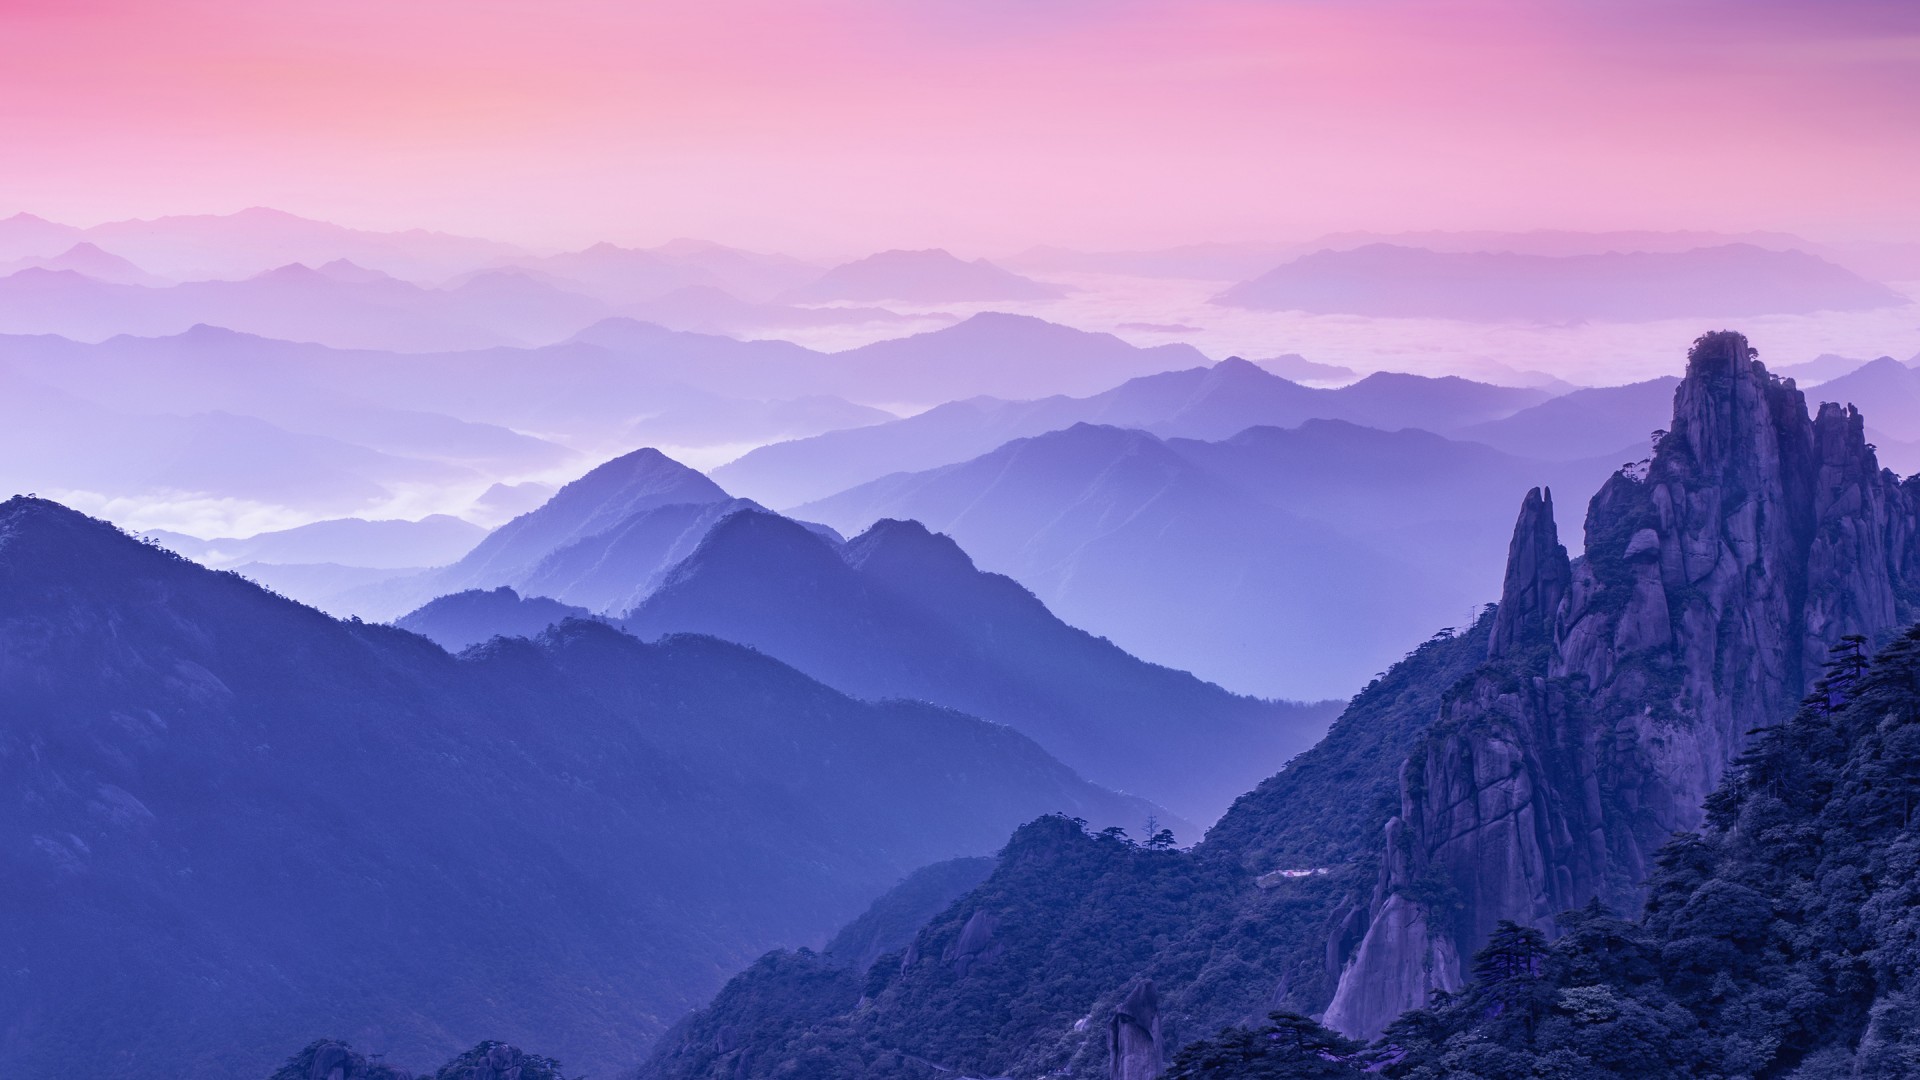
831	126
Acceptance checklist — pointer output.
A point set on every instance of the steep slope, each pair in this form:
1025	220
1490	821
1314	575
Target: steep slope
603	498
1211	402
899	612
233	821
1021	976
1623	684
1281	563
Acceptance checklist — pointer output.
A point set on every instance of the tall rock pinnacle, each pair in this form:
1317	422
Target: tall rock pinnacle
1620	686
1538	575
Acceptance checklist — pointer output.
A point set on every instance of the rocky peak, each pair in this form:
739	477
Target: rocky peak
1538	575
1709	591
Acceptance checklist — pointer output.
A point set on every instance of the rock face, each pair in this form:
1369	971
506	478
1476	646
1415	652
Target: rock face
1133	1035
1620	685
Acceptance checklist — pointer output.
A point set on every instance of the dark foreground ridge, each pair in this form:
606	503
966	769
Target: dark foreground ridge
233	821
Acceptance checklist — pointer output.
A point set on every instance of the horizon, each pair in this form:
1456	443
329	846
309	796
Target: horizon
980	128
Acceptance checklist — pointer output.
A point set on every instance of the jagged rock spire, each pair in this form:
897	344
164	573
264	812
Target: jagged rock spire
1538	575
1709	591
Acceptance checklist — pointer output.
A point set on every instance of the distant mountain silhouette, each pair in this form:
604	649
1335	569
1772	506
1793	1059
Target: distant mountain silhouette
477	615
238	821
925	277
621	276
996	353
431	541
1886	390
1393	281
1201	402
340	307
602	499
1599	422
196	246
1289	563
87	260
902	612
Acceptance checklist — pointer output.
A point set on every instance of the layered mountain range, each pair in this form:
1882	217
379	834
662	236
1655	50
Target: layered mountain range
1491	781
1622	685
232	818
897	612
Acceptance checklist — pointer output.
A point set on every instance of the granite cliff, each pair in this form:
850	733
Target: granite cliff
1620	685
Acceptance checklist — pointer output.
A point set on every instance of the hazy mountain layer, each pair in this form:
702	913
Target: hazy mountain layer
899	612
1284	563
237	821
1404	282
1207	403
1777	942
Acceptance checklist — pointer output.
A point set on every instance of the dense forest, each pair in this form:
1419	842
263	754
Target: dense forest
1781	941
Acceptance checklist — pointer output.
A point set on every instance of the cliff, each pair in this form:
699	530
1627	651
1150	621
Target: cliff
1620	685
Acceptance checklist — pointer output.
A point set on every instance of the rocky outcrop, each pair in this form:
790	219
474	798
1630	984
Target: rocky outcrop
1538	576
975	944
1621	685
1134	1048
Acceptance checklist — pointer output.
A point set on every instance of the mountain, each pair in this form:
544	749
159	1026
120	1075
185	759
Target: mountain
87	260
615	569
1588	423
26	236
1560	243
1300	369
1778	943
1711	589
899	612
620	275
1282	563
996	353
921	277
1821	368
381	545
298	303
1386	280
195	246
235	821
1210	402
1887	388
56	441
602	499
468	618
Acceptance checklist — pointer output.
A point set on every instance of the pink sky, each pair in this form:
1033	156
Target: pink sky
984	125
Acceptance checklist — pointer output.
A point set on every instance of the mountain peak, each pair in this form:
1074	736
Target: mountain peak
758	548
890	543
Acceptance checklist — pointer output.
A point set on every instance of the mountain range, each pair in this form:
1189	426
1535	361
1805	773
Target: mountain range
1210	402
1491	819
1388	280
235	820
927	277
900	612
1277	562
